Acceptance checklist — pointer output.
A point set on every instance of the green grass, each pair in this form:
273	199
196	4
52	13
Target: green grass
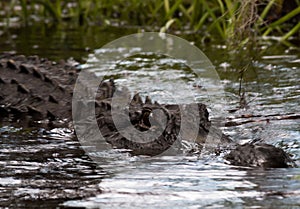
230	20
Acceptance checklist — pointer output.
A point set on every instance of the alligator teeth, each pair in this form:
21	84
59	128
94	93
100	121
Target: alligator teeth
11	64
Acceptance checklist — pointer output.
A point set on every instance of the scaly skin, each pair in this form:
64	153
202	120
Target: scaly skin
34	89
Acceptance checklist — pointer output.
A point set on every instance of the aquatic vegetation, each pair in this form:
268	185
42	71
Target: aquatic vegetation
226	19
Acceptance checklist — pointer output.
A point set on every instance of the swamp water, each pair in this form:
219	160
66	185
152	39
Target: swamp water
51	170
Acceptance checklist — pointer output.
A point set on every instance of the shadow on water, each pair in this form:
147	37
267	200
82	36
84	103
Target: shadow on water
51	170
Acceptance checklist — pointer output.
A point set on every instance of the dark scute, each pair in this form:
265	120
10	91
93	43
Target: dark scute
35	113
3	112
37	73
12	64
24	69
52	99
51	116
23	89
2	81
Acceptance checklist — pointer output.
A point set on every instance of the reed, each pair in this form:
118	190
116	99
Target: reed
278	25
229	20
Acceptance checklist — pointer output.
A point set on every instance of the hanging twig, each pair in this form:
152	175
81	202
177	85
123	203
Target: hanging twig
267	118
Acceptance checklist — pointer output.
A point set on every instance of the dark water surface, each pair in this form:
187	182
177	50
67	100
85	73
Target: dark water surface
51	170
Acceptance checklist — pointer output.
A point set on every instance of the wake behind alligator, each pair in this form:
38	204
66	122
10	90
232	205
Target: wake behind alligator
37	92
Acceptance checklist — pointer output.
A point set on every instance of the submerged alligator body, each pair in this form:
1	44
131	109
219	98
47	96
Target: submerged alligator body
37	91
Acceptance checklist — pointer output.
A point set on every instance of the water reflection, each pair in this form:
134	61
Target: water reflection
43	170
39	170
191	183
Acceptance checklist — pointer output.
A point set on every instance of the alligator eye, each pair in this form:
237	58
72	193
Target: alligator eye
147	109
144	122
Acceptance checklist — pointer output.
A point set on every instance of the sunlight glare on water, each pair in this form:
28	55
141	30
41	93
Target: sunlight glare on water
185	182
52	171
192	182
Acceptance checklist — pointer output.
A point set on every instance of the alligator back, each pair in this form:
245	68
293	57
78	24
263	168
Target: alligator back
35	88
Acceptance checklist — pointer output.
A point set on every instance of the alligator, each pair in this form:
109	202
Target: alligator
37	91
